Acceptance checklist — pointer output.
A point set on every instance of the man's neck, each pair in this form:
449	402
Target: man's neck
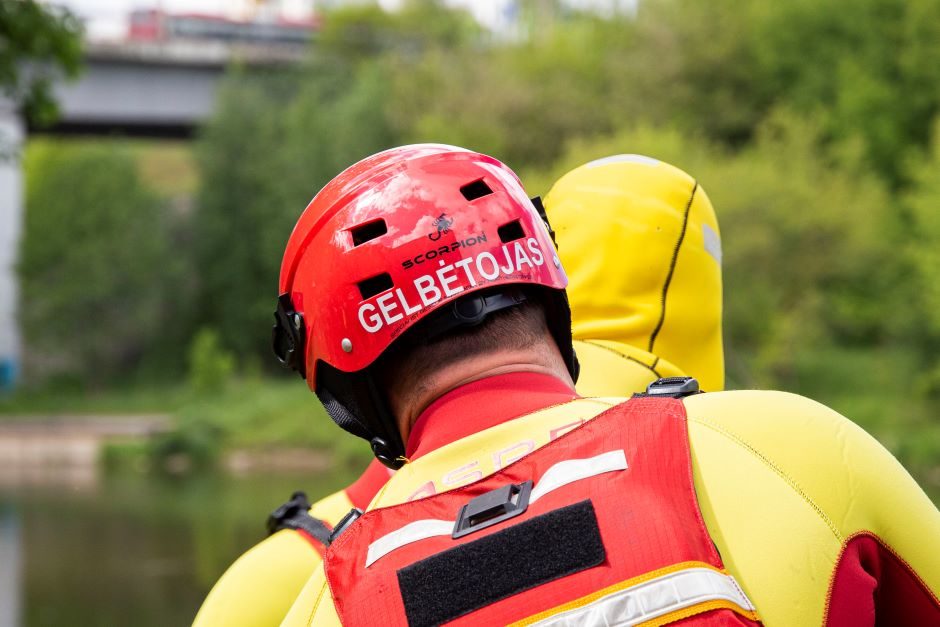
461	373
482	404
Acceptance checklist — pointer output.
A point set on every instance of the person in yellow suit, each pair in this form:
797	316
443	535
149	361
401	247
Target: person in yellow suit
625	338
518	501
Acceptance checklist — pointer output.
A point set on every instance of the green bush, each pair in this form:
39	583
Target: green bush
192	447
210	365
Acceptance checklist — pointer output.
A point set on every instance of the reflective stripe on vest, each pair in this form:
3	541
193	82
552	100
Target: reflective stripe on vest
687	589
559	475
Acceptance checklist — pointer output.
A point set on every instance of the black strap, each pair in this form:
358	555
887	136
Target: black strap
288	336
540	207
294	514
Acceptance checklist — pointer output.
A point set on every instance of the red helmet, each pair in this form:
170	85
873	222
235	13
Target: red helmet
428	234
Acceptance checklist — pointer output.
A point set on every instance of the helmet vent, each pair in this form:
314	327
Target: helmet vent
368	231
510	232
375	285
476	189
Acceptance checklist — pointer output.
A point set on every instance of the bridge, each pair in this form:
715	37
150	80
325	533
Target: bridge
141	89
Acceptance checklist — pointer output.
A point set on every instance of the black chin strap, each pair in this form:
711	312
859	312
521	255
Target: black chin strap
387	447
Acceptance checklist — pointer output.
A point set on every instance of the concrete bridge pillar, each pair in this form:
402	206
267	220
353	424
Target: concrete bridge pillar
12	137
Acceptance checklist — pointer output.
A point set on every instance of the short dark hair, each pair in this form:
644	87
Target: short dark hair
413	359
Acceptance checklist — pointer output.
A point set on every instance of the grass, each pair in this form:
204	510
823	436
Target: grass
152	399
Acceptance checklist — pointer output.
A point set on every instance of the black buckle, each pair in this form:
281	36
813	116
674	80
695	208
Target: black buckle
345	522
289	335
492	507
298	503
675	387
294	514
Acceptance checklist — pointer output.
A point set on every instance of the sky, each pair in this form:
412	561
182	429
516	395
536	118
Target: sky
105	19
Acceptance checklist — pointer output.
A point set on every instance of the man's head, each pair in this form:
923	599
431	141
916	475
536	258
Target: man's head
420	241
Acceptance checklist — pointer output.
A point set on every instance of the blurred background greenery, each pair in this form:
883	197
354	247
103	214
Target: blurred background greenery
810	123
813	125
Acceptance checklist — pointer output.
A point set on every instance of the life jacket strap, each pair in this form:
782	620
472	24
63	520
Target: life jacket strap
295	514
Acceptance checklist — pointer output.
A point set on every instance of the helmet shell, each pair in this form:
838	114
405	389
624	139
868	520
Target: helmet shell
399	235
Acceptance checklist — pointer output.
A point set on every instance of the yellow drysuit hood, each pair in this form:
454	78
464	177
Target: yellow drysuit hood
640	242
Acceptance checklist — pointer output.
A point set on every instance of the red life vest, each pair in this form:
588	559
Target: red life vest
601	526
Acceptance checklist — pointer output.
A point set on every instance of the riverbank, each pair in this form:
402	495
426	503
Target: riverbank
67	450
247	425
74	451
252	424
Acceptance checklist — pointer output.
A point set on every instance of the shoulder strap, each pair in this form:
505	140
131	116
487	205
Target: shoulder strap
295	514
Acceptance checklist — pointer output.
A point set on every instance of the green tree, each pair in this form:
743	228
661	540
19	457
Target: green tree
36	41
922	202
243	209
790	133
520	101
867	69
94	264
273	142
807	248
365	31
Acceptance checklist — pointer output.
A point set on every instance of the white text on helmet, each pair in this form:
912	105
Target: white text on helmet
450	280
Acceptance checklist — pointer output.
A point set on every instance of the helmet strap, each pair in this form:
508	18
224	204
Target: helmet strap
288	335
540	208
387	447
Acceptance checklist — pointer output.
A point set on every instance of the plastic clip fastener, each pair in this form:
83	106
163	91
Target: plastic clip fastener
345	522
492	507
676	387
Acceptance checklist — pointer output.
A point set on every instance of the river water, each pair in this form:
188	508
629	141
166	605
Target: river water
132	549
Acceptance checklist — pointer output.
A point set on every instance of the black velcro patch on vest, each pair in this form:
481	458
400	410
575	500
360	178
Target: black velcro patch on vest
455	582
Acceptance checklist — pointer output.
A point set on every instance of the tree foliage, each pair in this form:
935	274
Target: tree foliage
96	262
807	122
923	203
260	169
760	102
36	41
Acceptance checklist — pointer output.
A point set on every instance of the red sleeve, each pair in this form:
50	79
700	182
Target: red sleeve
362	491
872	585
